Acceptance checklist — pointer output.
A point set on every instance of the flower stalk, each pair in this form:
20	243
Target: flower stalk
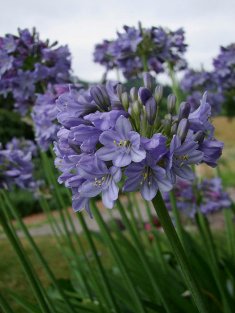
179	252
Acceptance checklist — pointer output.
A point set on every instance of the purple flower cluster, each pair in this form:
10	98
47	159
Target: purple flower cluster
16	166
102	55
45	112
206	197
27	65
109	138
194	83
138	49
224	65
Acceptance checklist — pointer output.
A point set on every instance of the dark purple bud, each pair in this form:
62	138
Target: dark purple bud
171	101
199	136
100	96
183	128
151	110
144	95
148	80
158	93
184	110
134	93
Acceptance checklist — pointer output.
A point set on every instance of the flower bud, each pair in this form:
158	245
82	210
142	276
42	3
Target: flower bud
119	89
184	110
148	80
135	108
100	96
144	94
150	104
183	128
174	128
134	93
125	100
158	93
151	110
171	101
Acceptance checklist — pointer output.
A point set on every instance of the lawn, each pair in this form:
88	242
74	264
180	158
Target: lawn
12	275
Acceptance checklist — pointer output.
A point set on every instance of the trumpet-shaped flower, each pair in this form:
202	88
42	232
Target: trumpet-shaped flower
121	145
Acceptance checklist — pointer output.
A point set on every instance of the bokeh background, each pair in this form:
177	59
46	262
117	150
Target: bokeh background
80	24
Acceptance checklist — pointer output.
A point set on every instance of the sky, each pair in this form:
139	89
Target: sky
83	23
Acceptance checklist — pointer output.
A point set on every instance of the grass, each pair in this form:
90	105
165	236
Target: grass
12	275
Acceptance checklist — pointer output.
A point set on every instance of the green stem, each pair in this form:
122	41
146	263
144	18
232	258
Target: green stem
52	181
175	86
137	207
179	252
179	226
144	63
156	243
107	287
230	231
37	251
143	258
139	308
204	229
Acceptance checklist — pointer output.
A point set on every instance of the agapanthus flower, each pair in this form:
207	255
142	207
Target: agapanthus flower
194	83
22	144
121	145
103	56
224	65
138	49
224	71
45	115
147	177
109	140
27	66
181	157
206	196
16	166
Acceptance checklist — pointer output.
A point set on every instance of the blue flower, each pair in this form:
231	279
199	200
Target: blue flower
99	179
181	157
147	177
121	145
212	151
199	119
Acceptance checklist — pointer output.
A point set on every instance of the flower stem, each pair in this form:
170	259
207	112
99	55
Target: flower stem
137	303
179	226
143	258
175	86
179	252
37	252
207	238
